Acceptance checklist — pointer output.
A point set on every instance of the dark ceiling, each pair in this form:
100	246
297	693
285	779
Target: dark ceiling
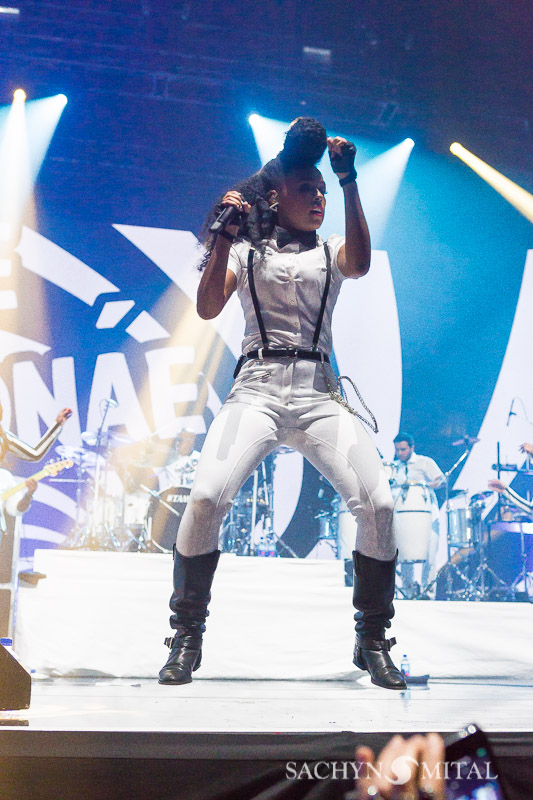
433	70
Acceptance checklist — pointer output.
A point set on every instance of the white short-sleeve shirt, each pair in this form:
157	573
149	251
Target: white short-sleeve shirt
417	469
289	283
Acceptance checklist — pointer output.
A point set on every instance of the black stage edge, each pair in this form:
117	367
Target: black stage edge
37	765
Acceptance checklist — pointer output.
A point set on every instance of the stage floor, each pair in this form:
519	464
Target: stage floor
99	707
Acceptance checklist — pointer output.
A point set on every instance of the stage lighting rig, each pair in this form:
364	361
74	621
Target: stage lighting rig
320	57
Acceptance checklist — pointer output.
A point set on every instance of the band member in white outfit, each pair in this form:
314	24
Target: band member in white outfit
409	468
287	280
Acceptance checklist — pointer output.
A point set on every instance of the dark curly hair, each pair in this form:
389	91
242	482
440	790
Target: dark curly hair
305	143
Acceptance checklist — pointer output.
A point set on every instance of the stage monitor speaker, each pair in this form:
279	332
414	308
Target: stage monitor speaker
15	683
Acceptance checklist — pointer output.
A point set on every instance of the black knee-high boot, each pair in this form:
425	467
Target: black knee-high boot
193	577
373	593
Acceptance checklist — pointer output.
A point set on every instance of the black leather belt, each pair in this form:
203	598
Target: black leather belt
288	352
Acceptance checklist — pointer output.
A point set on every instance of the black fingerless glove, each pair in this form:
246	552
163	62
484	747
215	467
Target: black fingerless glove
345	163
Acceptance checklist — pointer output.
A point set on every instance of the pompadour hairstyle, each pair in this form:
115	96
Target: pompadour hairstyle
305	143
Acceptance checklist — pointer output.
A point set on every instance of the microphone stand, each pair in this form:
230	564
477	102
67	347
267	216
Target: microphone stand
449	568
94	544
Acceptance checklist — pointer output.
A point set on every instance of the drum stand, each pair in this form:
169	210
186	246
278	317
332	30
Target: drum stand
478	588
90	537
449	569
270	540
234	535
523	576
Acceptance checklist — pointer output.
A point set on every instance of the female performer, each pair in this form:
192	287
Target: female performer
288	281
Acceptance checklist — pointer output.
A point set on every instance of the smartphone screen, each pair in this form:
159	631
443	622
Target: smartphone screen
473	775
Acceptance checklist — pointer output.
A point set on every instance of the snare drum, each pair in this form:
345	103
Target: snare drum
162	523
459	531
413	522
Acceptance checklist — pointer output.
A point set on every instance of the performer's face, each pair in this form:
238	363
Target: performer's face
301	200
403	451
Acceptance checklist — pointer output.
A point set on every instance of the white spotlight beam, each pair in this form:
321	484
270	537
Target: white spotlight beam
15	183
379	178
42	118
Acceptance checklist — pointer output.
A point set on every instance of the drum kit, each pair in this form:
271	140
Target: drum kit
115	509
118	509
466	575
248	529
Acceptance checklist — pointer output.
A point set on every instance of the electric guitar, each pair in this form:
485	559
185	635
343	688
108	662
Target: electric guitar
53	468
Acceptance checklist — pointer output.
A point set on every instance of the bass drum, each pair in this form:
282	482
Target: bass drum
163	524
413	522
135	508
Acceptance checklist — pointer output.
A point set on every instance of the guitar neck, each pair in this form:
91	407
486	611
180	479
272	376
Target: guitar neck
14	489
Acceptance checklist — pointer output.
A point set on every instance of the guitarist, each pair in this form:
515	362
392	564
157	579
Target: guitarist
9	443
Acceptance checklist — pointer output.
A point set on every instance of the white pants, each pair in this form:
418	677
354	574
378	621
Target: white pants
285	401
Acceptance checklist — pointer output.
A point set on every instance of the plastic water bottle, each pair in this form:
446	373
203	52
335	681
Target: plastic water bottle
405	667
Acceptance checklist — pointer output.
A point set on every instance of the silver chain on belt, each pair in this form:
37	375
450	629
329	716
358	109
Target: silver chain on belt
339	396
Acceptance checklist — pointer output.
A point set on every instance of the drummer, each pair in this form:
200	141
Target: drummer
182	468
410	467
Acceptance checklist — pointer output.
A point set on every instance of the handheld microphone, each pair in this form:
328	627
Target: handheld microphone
226	216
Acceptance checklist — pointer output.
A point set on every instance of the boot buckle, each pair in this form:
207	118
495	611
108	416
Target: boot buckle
376	644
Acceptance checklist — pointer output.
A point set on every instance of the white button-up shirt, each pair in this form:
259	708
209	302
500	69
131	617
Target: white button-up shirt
289	283
417	469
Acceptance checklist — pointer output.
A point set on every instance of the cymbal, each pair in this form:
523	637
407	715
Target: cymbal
89	438
108	437
69	451
118	439
466	440
480	497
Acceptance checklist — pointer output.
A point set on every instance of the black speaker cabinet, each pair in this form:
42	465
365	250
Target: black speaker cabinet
15	683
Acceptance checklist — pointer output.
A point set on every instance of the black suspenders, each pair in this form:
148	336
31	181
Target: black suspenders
257	307
325	293
255	299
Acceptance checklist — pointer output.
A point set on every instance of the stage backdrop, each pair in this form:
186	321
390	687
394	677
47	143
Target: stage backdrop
105	309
